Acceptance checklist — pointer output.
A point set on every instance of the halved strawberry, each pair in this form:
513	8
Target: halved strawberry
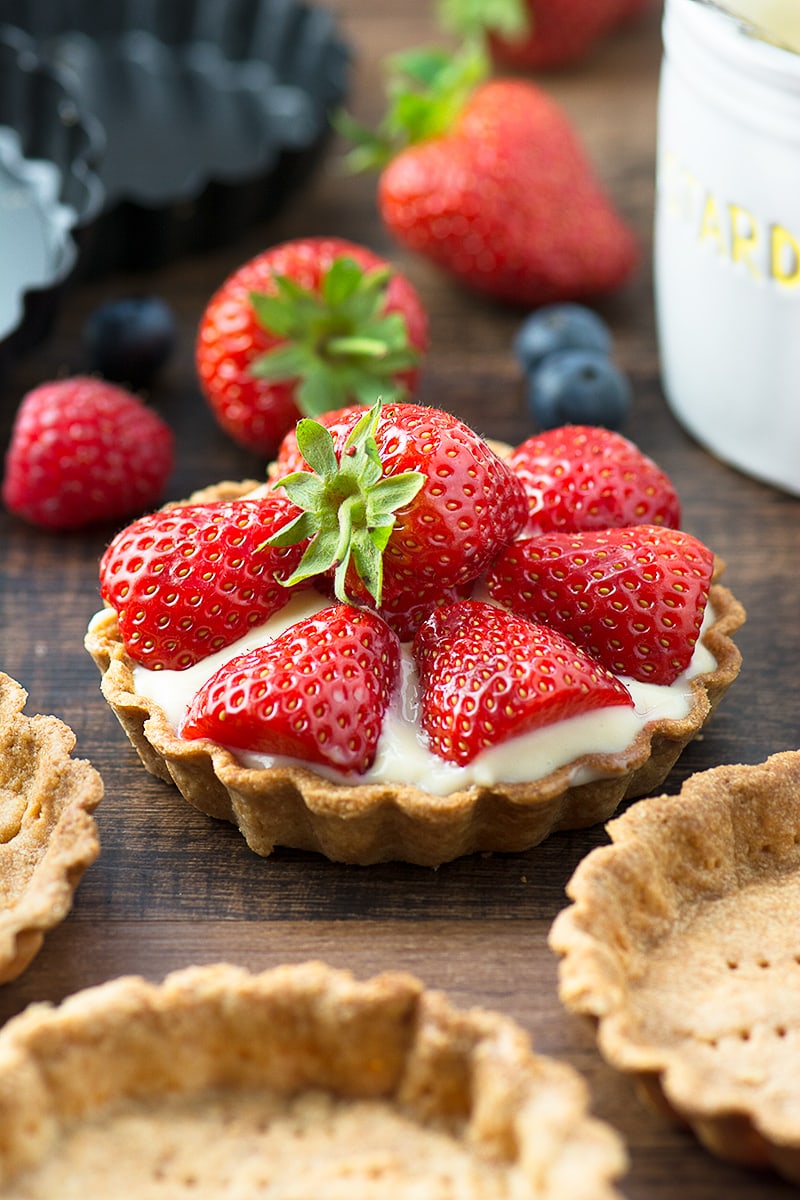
585	477
318	692
188	581
398	498
404	611
488	675
633	598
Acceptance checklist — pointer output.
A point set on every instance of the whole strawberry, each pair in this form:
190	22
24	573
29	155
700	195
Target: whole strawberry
633	598
585	477
189	580
318	692
403	499
340	422
307	326
495	187
540	34
488	675
84	451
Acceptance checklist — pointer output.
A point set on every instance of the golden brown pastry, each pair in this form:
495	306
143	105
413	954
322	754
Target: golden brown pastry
48	836
297	1082
682	945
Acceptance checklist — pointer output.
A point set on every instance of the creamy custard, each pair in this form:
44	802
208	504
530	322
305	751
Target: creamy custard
403	755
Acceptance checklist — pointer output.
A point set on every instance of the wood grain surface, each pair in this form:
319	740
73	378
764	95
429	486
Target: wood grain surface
173	887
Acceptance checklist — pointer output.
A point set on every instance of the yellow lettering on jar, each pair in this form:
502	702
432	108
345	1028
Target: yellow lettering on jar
680	187
711	228
744	238
784	257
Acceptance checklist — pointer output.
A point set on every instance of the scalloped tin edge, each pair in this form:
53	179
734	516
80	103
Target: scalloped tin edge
48	187
247	87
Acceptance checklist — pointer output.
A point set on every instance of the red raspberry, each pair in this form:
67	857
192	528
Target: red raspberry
83	451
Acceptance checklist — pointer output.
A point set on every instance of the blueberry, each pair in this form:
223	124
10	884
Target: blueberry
560	327
129	340
578	387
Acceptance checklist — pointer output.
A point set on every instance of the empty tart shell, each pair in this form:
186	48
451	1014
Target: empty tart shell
368	823
296	1082
683	946
48	836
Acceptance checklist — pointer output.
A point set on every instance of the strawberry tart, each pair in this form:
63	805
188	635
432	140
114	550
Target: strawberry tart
408	645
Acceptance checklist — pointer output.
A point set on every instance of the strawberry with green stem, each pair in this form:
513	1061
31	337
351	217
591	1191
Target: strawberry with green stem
489	180
304	327
409	498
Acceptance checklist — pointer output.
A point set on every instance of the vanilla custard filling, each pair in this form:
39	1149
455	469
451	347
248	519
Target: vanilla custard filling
403	756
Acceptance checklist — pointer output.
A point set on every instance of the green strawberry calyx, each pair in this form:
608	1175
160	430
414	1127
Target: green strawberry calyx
349	505
507	19
339	344
427	89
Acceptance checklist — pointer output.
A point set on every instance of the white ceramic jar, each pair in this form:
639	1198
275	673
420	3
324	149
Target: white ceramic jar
727	241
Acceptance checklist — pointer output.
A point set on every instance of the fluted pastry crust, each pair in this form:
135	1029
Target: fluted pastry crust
48	836
682	946
369	823
298	1081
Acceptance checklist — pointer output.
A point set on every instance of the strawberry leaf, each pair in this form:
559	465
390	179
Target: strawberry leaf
316	446
426	91
349	505
346	279
508	19
319	391
288	361
339	345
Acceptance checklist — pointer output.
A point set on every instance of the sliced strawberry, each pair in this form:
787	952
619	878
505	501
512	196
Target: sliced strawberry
187	581
405	610
633	598
584	477
318	692
488	675
408	498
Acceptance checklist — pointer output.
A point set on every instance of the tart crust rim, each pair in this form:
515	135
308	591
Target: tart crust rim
471	1073
400	821
592	975
53	864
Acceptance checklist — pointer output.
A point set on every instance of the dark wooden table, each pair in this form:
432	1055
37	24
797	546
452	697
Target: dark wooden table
172	887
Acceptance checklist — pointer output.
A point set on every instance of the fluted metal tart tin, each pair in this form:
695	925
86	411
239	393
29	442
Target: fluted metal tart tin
49	192
214	113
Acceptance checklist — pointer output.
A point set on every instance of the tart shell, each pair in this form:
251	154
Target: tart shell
682	947
48	836
298	1081
363	824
